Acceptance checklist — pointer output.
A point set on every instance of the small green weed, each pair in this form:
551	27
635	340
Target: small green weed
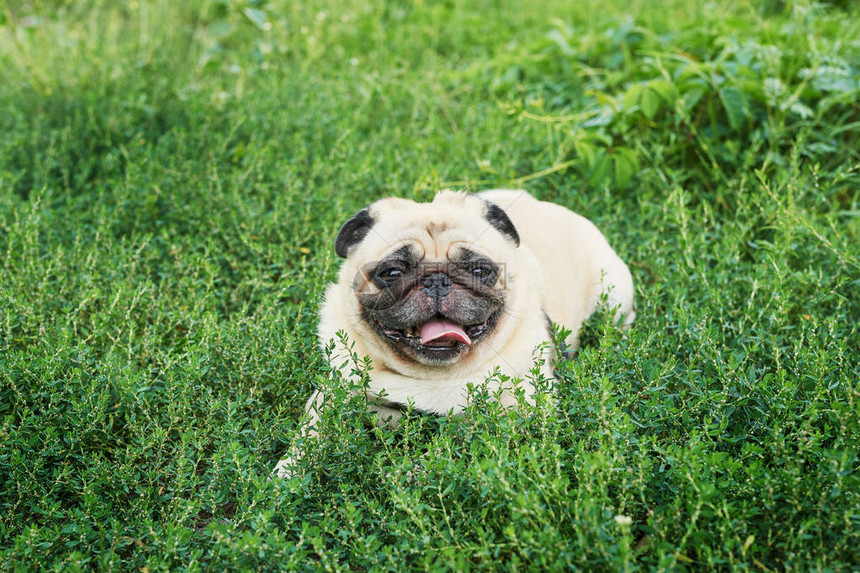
172	176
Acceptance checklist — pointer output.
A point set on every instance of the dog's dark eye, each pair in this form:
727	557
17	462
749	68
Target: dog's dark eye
484	273
389	274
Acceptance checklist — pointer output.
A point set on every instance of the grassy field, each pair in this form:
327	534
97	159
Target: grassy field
172	176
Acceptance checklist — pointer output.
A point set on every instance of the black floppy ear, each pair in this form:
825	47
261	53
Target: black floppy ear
352	232
497	217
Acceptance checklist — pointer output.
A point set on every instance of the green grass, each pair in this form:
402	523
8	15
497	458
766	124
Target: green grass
172	176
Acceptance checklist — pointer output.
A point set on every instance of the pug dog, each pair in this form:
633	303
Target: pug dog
444	294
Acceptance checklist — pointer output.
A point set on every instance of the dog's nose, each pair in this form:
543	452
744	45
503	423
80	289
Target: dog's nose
437	285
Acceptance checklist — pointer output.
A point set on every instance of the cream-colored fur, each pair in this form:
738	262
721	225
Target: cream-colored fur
577	264
560	270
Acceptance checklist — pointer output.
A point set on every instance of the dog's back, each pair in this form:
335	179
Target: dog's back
577	263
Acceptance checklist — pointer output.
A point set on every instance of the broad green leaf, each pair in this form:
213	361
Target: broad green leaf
257	17
605	117
602	171
664	89
626	165
691	96
801	110
631	96
605	99
600	138
585	151
649	103
735	106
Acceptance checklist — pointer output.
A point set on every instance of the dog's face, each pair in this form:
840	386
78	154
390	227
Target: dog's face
430	279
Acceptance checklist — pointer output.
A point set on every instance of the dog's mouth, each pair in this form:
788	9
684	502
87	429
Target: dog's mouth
439	334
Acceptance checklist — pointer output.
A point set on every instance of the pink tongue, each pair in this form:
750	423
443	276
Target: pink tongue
441	330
